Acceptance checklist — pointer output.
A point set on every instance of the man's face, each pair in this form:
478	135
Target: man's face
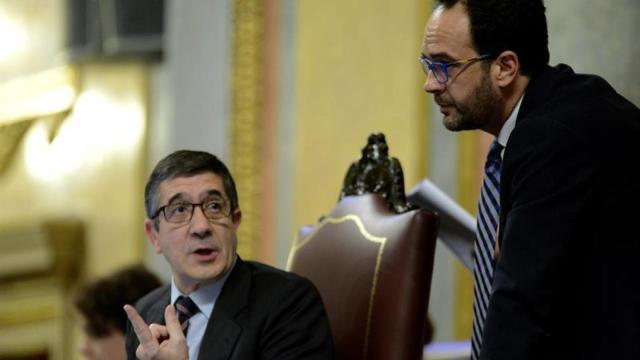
468	100
200	250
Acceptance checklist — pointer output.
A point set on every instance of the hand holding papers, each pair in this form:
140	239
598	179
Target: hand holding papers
457	226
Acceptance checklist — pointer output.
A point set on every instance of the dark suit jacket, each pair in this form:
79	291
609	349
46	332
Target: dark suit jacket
567	283
261	313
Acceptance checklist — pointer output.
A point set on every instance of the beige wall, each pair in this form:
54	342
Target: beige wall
356	72
598	37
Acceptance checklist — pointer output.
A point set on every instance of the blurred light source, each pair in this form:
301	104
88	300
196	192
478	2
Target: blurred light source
111	123
40	94
13	37
47	161
98	125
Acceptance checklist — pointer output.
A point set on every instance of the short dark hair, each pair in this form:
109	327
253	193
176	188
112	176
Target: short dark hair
101	301
516	25
186	163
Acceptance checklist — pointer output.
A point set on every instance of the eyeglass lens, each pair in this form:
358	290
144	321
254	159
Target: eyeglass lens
439	70
183	212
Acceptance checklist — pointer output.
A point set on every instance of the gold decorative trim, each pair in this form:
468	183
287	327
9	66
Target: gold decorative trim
246	114
363	231
331	220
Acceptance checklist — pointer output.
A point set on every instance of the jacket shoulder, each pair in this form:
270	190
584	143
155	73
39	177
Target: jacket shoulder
583	105
265	273
145	303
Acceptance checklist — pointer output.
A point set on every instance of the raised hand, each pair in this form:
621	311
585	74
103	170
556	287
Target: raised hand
159	342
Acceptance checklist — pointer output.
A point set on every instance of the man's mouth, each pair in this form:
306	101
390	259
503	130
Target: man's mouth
442	103
444	106
444	109
205	254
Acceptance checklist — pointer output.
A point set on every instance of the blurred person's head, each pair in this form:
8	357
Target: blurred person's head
192	217
100	303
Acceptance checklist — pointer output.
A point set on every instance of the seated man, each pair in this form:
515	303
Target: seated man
100	307
224	307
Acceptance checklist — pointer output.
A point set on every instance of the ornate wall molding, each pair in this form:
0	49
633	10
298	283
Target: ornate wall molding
246	119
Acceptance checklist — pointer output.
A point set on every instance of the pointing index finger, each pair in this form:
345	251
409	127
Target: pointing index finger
141	328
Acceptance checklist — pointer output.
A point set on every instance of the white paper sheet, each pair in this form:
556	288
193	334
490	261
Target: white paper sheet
457	226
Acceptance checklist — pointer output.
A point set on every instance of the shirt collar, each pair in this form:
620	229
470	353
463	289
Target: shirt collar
507	128
205	296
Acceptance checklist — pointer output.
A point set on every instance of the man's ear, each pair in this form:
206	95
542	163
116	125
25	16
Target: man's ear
236	217
152	235
505	68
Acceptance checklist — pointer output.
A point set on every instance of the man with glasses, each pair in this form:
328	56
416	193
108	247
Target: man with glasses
223	307
555	261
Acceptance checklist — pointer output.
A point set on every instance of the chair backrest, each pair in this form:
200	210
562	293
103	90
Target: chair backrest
373	268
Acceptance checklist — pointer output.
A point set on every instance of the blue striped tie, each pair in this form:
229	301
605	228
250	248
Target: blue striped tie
488	217
185	309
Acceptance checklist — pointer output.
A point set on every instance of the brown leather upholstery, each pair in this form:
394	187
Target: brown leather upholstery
373	270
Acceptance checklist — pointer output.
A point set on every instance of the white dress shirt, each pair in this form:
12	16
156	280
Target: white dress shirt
205	298
507	128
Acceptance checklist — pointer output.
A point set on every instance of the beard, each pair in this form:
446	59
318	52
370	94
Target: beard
475	111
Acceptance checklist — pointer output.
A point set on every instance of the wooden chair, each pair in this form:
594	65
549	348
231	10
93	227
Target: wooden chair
372	267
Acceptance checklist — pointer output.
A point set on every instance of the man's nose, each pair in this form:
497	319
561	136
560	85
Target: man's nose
200	225
431	85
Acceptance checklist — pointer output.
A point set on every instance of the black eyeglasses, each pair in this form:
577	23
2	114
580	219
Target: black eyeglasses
182	212
440	70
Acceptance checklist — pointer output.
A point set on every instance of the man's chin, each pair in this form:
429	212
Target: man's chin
455	124
451	123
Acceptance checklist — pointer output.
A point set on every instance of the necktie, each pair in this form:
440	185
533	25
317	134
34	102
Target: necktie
185	309
488	216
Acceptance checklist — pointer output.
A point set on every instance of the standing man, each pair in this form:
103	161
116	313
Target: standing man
224	307
556	274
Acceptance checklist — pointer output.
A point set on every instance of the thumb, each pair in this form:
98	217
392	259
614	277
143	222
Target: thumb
173	325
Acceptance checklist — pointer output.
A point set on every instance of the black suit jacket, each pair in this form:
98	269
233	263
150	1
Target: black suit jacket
567	282
261	313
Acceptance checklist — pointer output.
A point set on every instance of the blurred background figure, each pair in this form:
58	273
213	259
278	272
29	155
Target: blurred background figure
100	303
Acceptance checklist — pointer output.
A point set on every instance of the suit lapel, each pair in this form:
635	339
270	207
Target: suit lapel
224	327
155	315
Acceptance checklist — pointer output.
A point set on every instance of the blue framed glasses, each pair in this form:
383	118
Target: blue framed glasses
440	70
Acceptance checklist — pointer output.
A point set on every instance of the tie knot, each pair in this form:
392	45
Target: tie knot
494	160
494	151
186	308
